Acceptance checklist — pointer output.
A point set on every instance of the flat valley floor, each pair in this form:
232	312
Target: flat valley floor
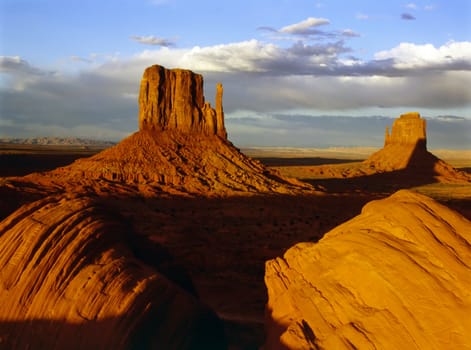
223	243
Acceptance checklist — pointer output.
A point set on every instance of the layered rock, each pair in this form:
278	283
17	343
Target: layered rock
181	148
176	163
408	129
404	155
74	276
174	99
406	146
397	276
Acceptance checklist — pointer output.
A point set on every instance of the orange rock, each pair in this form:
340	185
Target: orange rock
181	148
395	277
70	279
404	153
174	100
409	129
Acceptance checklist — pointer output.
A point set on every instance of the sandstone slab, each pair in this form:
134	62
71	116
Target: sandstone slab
71	277
398	276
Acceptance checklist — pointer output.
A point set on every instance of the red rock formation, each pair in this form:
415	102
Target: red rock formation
174	100
409	129
404	152
181	148
395	277
69	279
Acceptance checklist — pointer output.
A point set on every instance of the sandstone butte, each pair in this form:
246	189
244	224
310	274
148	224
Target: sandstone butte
181	148
74	276
405	153
397	276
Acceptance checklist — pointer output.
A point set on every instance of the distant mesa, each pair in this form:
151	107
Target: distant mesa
404	154
397	276
181	148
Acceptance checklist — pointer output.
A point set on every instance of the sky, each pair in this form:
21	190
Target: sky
295	73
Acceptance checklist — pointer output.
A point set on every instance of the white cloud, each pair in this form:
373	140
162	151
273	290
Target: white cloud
411	6
152	40
304	27
17	65
411	56
76	58
259	77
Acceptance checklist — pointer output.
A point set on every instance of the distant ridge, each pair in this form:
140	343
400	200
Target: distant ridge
56	141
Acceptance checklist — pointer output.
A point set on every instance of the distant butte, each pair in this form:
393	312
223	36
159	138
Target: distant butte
404	158
409	129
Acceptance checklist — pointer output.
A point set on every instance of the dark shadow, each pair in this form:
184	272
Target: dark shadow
217	247
109	333
223	244
20	162
302	161
420	170
161	316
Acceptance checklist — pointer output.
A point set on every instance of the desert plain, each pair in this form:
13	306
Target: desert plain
208	217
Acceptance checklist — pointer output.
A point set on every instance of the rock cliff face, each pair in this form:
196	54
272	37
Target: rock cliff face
405	146
174	99
408	129
395	277
181	148
72	276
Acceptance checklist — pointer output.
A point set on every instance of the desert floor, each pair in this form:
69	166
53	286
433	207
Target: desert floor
224	242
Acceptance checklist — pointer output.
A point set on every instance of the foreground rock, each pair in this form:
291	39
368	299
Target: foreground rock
74	276
397	276
181	148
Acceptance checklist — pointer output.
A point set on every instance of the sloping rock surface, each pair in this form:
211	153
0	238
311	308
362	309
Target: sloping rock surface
70	279
397	276
170	162
181	148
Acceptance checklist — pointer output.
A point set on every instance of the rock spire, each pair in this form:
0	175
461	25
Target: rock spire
173	99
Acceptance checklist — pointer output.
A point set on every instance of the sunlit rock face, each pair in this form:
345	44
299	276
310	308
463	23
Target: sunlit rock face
174	99
405	147
73	276
405	150
181	148
397	276
408	129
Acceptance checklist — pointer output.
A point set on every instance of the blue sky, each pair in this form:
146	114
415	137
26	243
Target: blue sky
73	67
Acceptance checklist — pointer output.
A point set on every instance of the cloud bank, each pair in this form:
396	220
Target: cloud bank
314	71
